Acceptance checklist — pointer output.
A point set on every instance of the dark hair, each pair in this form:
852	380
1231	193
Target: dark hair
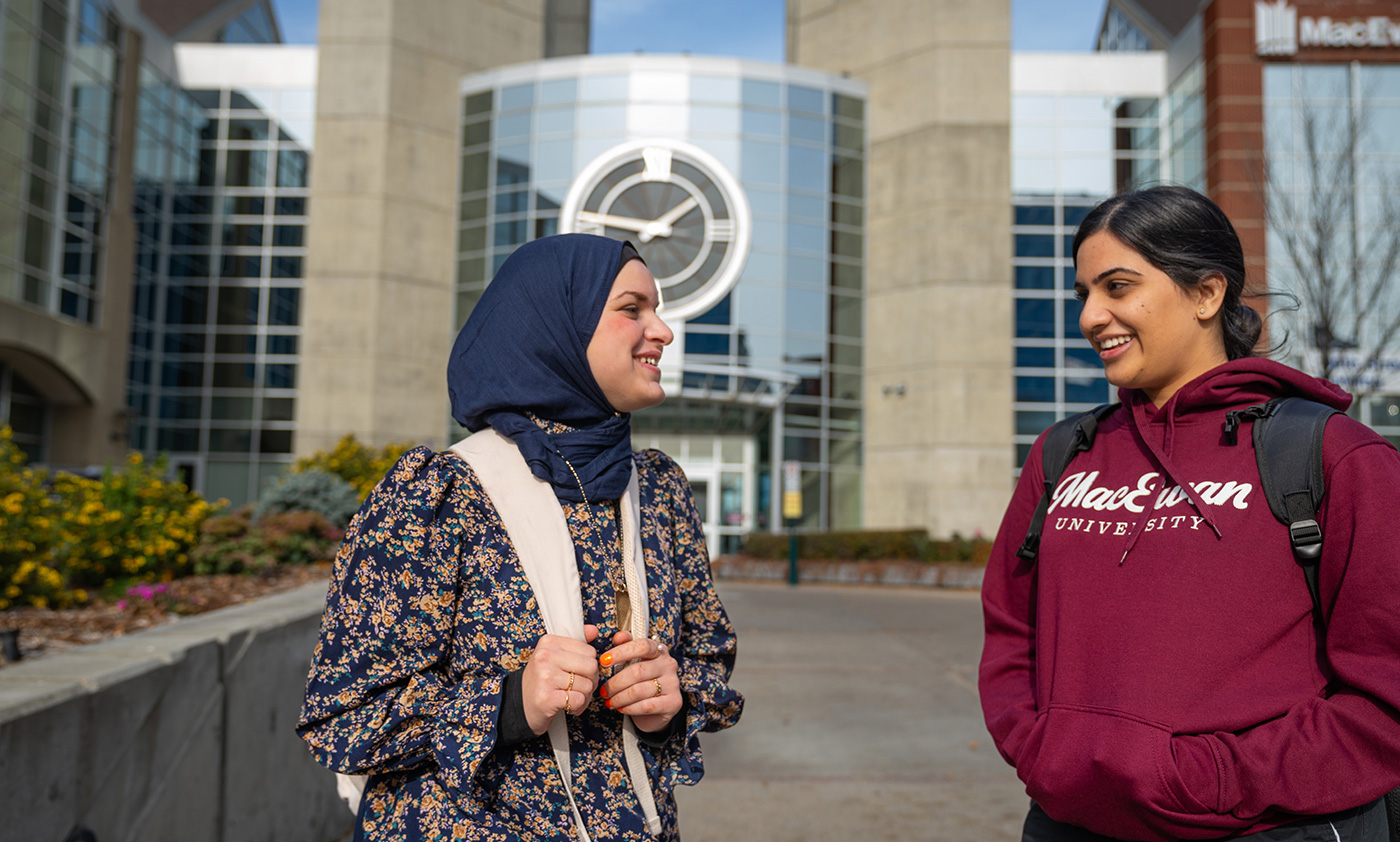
1189	238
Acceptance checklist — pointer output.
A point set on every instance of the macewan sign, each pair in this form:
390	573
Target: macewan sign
1355	31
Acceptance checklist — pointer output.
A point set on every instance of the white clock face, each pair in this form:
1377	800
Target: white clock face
679	206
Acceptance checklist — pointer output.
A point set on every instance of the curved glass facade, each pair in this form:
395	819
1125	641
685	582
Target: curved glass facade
770	369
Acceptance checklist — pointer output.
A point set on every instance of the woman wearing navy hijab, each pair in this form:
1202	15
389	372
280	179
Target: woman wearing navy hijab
499	681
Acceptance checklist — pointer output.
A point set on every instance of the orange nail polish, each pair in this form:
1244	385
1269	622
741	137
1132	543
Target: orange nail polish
603	691
606	660
608	702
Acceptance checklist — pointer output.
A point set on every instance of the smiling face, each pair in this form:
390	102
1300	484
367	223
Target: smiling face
1151	333
625	351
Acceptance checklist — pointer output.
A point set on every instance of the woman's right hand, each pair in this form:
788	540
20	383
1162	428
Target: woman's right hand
561	676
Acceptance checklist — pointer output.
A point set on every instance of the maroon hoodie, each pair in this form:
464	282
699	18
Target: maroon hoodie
1154	675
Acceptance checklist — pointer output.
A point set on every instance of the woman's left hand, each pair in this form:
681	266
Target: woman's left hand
647	689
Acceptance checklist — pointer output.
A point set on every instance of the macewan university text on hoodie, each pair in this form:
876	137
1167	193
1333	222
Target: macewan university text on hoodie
1155	674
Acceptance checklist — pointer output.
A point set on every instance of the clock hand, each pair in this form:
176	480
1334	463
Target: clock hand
662	226
626	223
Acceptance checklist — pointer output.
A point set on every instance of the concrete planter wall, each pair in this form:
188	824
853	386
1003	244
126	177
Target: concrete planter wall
927	574
182	732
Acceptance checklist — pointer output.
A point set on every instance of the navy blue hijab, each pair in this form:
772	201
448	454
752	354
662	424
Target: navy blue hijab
525	349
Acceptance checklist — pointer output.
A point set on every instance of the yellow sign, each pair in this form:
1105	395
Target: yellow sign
792	505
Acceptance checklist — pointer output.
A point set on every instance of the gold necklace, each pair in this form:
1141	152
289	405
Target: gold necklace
622	607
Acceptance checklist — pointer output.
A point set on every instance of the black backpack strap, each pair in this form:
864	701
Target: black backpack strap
1288	447
1063	440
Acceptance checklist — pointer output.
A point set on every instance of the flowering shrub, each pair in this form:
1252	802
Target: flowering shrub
62	535
360	465
236	543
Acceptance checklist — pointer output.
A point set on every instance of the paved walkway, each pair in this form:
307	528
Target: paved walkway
861	723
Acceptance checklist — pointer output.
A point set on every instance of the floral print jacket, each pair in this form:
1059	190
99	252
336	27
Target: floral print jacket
428	611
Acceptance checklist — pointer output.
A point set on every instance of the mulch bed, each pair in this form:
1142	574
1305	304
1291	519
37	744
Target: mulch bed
47	632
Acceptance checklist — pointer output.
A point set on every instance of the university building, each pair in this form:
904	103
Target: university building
235	251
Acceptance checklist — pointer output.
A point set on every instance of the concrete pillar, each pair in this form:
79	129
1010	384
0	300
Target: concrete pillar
377	315
938	452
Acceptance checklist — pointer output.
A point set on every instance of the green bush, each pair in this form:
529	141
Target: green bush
311	490
236	543
869	545
63	536
360	465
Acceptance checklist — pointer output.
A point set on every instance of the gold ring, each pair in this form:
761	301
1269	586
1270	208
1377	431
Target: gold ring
566	702
657	682
571	683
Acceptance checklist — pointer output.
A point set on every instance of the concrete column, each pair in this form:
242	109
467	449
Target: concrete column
377	314
938	453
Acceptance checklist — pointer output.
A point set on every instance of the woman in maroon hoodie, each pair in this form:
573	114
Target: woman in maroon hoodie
1155	674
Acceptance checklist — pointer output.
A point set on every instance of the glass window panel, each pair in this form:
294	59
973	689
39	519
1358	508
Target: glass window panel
1033	175
180	408
805	99
179	440
765	201
230	441
241	266
187	305
288	236
477	104
716	315
1032	107
600	88
281	345
475	168
554	160
712	120
291	168
848	107
807	207
1033	423
517	96
764	123
1035	215
1085	109
280	376
1086	390
247	128
275	441
245	168
238	306
805	270
807	168
1035	318
806	310
1035	357
1032	139
806	128
706	343
234	375
278	409
847	245
845	213
1086	176
291	205
556	120
846	385
283	306
758	92
848	176
802	237
236	343
475	134
721	89
1035	389
1092	139
847	316
846	354
1073	307
1034	245
225	408
1035	277
557	91
513	125
1074	214
845	276
761	162
602	118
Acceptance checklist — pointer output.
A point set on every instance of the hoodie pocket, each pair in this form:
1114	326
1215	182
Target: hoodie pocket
1115	774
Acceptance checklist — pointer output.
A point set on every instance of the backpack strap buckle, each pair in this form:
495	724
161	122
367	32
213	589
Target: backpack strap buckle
1306	537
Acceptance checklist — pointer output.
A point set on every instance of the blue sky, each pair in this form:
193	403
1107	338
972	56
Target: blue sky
749	28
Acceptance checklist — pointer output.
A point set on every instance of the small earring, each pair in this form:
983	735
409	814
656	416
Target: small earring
1203	311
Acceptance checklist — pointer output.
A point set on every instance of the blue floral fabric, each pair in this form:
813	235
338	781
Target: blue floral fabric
429	609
